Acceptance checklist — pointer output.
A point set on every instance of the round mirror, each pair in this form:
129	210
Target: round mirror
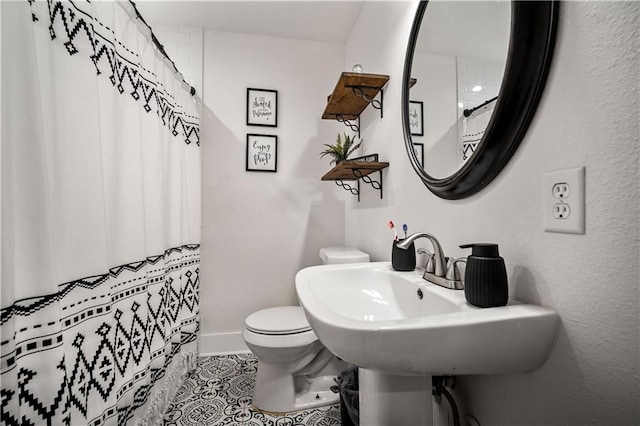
473	76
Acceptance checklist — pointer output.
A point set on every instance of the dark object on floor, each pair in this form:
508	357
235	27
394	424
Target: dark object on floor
349	397
439	389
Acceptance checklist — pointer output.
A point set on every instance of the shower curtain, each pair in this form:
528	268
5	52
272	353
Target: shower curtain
471	130
101	185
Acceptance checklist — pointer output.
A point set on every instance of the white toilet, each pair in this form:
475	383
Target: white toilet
295	371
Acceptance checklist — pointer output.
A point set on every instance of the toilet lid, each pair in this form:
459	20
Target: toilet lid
280	320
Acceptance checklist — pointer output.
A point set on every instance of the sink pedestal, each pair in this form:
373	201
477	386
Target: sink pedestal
387	399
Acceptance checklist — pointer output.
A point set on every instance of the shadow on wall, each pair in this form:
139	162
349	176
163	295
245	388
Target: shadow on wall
318	235
533	385
441	158
216	151
224	142
524	287
326	209
310	213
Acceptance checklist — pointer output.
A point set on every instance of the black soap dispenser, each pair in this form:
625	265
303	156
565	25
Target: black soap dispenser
485	276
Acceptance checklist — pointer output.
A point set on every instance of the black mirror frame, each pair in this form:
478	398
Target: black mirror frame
533	32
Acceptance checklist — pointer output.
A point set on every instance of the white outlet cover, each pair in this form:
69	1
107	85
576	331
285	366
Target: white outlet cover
574	223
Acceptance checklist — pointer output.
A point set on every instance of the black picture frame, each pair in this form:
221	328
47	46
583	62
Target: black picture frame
262	107
262	153
419	150
416	118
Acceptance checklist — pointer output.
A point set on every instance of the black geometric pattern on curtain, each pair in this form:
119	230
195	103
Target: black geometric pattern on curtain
468	148
142	314
470	143
82	32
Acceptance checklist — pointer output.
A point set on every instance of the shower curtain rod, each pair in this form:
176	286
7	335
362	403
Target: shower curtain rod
160	47
468	112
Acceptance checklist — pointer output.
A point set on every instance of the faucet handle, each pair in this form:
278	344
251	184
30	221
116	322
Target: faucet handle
430	264
453	272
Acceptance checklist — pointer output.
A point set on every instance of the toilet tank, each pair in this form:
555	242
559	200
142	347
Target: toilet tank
333	255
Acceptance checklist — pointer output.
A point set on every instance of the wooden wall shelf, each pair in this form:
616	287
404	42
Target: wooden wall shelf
345	170
352	94
351	170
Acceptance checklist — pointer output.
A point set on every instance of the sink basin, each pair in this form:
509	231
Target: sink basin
372	316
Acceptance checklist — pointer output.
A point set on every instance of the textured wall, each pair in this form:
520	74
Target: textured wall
588	117
260	228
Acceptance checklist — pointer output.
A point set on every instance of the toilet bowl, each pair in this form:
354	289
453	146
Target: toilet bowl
295	371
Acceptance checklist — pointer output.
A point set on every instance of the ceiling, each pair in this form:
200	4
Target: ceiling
317	20
473	29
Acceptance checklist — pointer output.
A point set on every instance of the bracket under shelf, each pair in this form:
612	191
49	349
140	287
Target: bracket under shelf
355	127
375	103
365	178
350	170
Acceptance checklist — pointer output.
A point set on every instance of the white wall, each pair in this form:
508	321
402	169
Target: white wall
260	228
588	117
436	89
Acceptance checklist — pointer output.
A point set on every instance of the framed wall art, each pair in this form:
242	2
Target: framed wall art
416	122
262	107
419	150
262	153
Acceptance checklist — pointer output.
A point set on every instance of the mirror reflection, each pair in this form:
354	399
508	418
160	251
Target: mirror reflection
458	66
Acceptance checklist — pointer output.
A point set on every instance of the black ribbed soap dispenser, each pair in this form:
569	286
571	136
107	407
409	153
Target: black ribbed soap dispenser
485	276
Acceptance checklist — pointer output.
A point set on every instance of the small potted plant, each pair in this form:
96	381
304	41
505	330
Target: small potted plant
341	151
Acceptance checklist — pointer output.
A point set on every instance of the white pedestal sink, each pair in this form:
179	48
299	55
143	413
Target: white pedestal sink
402	330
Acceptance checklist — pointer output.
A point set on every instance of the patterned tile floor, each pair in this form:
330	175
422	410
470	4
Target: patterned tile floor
219	393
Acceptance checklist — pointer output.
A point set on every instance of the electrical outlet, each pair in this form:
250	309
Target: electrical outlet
561	211
564	201
561	190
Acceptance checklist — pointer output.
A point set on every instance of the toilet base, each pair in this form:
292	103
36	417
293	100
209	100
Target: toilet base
295	371
278	391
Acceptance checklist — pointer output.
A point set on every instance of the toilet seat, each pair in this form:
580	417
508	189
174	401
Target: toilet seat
282	320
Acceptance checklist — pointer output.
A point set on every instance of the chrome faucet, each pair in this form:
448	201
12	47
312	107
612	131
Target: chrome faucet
445	272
